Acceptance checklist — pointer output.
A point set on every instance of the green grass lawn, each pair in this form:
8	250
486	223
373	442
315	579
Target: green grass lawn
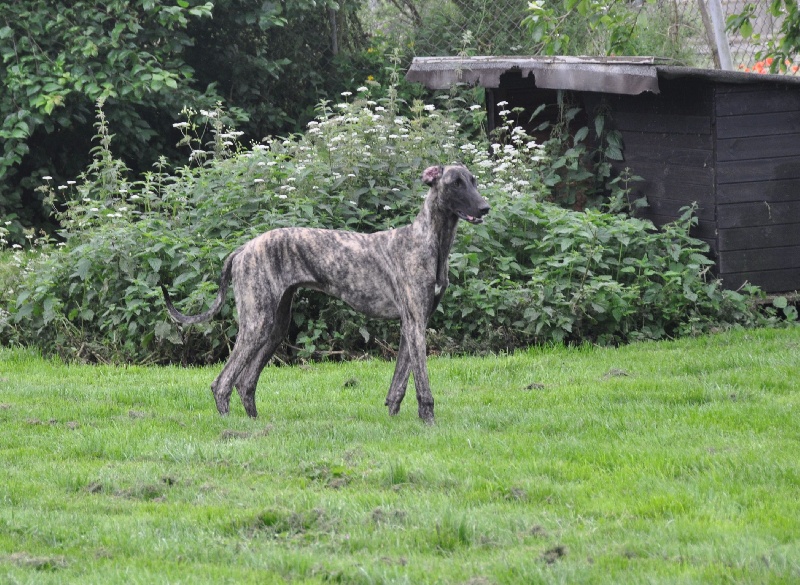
664	462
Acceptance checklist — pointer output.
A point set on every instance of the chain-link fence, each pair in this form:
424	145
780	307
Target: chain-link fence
681	30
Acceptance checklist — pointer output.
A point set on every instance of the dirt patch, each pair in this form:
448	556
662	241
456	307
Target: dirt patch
38	563
554	554
615	373
232	435
535	386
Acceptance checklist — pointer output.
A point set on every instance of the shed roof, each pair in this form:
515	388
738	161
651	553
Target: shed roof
621	75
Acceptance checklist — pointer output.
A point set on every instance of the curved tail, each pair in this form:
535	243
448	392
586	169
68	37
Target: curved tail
224	281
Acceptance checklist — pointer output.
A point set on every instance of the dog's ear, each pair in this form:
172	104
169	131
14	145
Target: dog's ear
432	174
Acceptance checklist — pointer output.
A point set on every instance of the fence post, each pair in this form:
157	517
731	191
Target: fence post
714	23
334	31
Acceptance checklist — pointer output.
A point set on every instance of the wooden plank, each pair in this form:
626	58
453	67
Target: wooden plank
770	191
769	124
648	153
669	178
758	147
771	281
678	96
758	170
677	157
668	123
758	213
759	237
781	258
757	101
664	141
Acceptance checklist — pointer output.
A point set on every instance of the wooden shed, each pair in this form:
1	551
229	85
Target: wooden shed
729	141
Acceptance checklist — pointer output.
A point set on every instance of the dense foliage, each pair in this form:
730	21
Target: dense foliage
268	62
532	273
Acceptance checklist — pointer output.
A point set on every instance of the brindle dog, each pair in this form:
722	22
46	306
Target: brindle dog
394	274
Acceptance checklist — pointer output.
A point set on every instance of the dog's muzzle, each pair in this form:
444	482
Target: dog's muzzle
478	217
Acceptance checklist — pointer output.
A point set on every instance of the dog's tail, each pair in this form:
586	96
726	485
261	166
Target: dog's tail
224	281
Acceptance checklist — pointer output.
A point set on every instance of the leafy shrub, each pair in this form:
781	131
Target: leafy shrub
533	273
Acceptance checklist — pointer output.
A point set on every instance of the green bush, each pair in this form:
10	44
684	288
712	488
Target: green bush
532	273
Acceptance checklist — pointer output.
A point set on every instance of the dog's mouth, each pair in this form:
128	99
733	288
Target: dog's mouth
469	218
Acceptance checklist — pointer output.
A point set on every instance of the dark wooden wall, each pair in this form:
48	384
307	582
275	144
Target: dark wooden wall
734	149
758	185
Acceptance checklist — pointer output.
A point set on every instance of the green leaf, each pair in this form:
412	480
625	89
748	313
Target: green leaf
155	263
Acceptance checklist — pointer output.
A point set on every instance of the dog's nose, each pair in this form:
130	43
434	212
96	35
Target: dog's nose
483	209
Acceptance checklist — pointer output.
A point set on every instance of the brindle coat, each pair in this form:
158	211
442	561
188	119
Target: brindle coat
394	274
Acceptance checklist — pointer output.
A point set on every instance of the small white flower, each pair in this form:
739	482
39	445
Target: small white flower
62	187
181	125
47	178
429	107
504	112
258	180
475	107
16	246
94	209
387	208
501	104
70	182
353	202
380	109
362	89
281	196
346	93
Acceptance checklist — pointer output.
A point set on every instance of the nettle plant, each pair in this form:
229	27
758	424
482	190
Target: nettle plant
532	273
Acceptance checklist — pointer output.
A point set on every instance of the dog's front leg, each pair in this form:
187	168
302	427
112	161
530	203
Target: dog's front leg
397	389
414	333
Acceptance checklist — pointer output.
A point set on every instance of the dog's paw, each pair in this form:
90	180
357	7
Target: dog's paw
426	414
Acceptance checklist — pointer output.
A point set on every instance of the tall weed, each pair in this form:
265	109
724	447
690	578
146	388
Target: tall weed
532	273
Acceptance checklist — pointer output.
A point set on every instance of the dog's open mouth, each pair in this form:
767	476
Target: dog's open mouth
469	218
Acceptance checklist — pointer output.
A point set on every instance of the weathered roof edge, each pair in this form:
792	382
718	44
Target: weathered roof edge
621	75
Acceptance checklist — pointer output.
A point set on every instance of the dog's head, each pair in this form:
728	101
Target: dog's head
457	191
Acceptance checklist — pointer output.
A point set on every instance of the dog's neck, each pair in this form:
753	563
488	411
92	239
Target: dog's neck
439	223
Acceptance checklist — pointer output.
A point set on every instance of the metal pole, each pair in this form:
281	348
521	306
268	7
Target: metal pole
720	39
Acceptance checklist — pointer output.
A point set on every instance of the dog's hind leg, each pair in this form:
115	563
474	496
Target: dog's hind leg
257	316
248	379
244	351
402	369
